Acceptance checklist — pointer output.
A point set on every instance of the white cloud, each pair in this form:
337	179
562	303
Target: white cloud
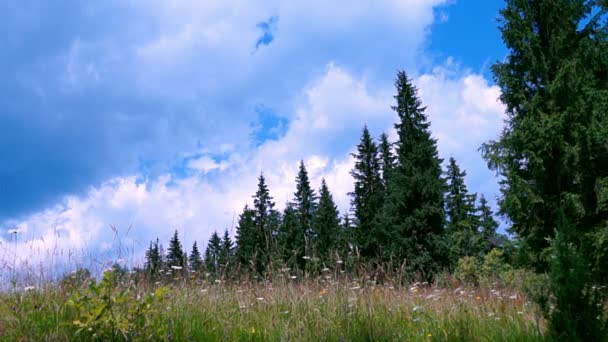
461	106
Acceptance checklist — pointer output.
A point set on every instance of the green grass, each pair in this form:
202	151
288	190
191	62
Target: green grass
315	310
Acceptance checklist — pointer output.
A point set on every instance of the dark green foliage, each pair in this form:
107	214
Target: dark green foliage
368	193
387	158
213	253
327	224
411	224
175	253
226	251
257	230
291	241
488	226
552	154
247	239
153	258
305	206
463	223
195	260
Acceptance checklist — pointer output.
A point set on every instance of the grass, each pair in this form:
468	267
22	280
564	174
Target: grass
285	310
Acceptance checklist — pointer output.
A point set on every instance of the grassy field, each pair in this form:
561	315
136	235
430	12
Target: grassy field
285	310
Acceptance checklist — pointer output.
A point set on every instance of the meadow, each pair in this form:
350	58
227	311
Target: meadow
330	307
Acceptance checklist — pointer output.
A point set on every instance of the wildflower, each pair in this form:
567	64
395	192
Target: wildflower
429	335
252	330
520	312
478	298
417	308
355	287
323	292
513	297
325	269
29	288
293	277
306	257
339	262
260	299
176	267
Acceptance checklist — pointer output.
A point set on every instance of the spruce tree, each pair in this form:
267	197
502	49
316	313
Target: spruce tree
153	259
247	239
464	238
227	250
552	153
327	224
366	198
387	159
175	253
195	260
488	226
411	224
305	206
291	241
213	252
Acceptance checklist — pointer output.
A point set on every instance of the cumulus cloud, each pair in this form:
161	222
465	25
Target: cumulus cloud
330	112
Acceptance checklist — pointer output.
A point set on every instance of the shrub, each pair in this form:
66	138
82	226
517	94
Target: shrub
106	312
467	270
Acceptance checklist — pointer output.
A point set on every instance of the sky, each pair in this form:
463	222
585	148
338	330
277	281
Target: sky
124	120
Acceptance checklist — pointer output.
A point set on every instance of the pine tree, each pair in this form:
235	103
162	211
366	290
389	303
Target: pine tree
227	250
175	253
247	239
411	224
488	226
290	240
387	159
195	260
153	259
257	230
366	199
552	154
463	223
305	206
213	252
327	224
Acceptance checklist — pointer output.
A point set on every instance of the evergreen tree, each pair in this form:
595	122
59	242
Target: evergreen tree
305	206
257	230
195	260
327	224
552	153
290	239
488	226
366	199
387	159
247	238
464	236
227	250
153	258
411	224
213	253
175	253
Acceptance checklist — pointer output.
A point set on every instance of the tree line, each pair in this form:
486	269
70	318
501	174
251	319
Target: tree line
551	160
406	210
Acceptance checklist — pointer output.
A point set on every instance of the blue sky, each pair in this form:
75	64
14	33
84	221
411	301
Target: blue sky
158	115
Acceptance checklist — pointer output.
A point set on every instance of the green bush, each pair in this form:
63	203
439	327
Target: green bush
104	312
467	270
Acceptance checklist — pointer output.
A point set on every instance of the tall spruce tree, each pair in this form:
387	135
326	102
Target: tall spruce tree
227	250
175	252
366	199
412	220
291	241
213	253
552	153
464	236
327	224
305	206
153	263
387	158
488	226
195	260
247	237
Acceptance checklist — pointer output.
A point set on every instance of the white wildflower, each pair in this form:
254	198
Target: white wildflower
29	288
260	299
176	267
306	257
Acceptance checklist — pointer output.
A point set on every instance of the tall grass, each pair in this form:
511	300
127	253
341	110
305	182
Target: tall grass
321	309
